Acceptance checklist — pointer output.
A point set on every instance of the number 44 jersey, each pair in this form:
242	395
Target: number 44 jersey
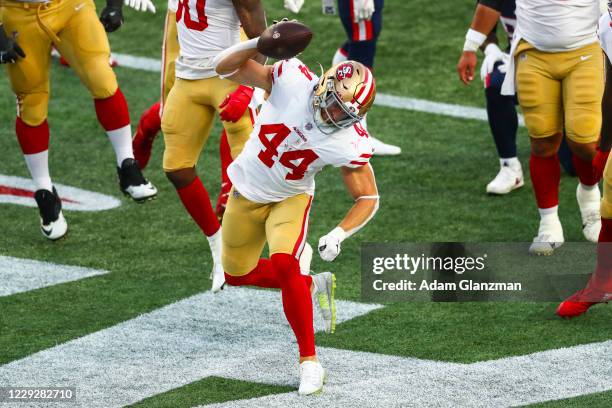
286	149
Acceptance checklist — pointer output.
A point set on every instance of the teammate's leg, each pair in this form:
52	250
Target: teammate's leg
503	121
225	154
539	95
29	78
85	45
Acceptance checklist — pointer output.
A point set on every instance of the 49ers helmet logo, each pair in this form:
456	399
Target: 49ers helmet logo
344	71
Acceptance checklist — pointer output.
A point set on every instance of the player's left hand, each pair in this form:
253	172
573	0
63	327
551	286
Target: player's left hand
294	6
329	245
235	104
111	17
467	66
493	55
364	10
141	5
599	162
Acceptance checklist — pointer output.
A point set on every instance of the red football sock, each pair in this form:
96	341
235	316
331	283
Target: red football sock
32	139
605	234
225	153
197	202
113	112
150	122
263	276
585	171
297	302
601	280
545	177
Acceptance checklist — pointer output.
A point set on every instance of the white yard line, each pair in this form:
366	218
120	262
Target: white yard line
22	275
391	101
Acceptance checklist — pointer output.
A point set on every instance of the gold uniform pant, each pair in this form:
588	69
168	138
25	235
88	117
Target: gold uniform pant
170	52
75	30
561	90
606	202
248	225
188	117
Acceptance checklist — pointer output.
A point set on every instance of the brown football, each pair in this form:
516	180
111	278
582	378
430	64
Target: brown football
284	40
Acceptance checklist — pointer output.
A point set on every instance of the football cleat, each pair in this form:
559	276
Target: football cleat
306	259
324	293
510	177
550	237
312	378
576	304
133	184
218	278
589	202
384	149
52	222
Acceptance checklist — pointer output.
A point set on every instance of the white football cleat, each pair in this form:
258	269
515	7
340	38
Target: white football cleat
133	184
312	378
384	149
550	236
324	293
306	259
589	202
53	225
510	177
218	278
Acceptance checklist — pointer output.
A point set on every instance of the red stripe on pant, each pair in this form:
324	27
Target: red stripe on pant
32	139
298	247
369	30
545	177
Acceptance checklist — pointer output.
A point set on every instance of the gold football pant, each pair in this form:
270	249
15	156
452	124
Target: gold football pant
188	117
170	52
561	90
606	202
247	226
75	30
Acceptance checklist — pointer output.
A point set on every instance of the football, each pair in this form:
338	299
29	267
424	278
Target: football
284	40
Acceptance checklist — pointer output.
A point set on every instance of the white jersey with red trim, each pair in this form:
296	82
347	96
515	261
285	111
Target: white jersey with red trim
205	28
286	148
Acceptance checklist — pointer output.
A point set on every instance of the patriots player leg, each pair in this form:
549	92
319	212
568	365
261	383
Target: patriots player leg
149	126
84	44
503	121
361	47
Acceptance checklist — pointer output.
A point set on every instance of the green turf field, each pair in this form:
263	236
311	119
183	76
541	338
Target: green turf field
157	256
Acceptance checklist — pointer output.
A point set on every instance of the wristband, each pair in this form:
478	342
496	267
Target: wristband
473	40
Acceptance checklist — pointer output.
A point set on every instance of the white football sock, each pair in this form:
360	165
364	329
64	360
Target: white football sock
512	162
38	164
549	213
214	241
339	57
121	139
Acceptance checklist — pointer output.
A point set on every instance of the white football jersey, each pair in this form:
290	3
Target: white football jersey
205	28
286	148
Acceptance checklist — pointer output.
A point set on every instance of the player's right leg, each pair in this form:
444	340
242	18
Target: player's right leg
540	97
29	79
149	124
503	121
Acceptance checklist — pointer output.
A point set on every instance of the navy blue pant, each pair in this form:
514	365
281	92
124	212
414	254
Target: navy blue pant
362	36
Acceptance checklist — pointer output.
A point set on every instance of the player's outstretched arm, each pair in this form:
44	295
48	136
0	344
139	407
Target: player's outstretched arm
485	18
362	187
235	63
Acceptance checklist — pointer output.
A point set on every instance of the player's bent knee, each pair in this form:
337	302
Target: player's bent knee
100	79
583	128
33	108
606	202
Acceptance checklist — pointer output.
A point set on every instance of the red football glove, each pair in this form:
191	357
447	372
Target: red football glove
235	104
599	162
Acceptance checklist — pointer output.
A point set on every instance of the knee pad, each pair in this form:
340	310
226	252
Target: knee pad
583	127
33	108
606	202
99	78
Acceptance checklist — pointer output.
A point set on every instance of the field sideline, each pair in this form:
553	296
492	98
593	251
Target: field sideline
152	300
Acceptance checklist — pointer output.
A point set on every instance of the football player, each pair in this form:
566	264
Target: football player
73	27
205	29
559	83
362	21
501	110
599	288
273	182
